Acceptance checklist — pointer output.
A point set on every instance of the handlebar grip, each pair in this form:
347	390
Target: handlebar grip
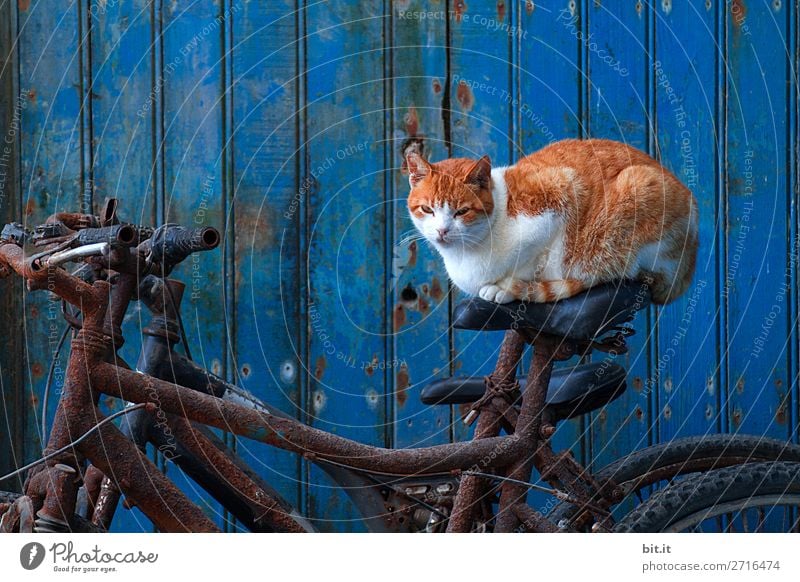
125	235
171	244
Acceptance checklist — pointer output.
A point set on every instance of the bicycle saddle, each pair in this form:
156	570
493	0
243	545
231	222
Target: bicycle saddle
585	316
572	391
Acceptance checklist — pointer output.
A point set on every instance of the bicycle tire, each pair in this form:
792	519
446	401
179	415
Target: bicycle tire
716	493
684	456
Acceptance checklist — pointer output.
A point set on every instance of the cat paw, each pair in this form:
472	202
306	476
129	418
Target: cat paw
495	294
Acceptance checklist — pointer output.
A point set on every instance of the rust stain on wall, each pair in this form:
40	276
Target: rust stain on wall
464	96
411	120
399	317
402	381
460	8
319	368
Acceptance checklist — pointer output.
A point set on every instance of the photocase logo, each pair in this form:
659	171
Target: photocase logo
31	555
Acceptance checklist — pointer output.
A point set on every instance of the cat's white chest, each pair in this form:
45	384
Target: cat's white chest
526	248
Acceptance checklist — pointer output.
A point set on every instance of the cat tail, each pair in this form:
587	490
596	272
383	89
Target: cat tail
548	291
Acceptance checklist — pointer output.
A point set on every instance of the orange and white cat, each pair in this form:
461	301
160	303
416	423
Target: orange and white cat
570	216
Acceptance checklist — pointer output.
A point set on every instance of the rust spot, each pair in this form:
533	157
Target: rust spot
36	370
463	409
740	385
501	10
422	304
245	370
529	6
32	94
24	5
402	381
736	417
34	400
460	8
667	412
30	207
425	288
411	120
436	290
779	383
437	86
319	369
780	415
637	383
369	370
638	413
399	317
34	311
412	254
465	96
739	12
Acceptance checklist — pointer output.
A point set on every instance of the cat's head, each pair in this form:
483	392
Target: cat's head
451	201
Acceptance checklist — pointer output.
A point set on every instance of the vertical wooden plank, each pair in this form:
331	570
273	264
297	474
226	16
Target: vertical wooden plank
482	104
549	106
419	284
192	149
122	118
617	109
268	207
347	218
794	160
12	436
757	269
686	367
51	45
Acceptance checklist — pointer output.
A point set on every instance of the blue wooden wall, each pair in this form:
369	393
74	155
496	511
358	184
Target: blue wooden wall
281	123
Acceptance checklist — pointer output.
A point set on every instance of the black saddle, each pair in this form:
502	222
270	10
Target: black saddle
582	317
572	391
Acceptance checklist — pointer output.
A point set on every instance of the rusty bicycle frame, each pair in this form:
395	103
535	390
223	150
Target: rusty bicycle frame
93	370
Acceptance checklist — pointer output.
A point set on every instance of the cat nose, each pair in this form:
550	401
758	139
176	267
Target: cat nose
442	232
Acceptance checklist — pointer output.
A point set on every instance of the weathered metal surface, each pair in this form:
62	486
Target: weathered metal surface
52	63
472	489
481	118
686	366
727	63
418	285
269	201
759	297
347	218
551	83
616	107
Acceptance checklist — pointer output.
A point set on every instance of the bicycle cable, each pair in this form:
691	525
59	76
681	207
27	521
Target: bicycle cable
49	380
180	322
75	442
558	494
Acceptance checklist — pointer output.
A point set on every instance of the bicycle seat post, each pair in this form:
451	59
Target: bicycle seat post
547	349
489	425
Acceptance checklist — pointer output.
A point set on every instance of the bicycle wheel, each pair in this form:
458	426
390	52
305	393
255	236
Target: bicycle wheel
681	457
752	497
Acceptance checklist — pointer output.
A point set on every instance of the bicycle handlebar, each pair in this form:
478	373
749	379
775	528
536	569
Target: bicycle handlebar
170	244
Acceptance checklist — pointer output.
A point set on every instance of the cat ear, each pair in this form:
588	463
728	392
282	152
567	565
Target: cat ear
418	168
480	173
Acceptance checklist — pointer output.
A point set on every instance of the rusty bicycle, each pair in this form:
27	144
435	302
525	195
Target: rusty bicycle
731	482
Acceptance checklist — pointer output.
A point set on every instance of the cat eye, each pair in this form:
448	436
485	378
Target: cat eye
461	211
426	209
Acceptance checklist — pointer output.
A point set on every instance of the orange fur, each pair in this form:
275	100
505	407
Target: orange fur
614	201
